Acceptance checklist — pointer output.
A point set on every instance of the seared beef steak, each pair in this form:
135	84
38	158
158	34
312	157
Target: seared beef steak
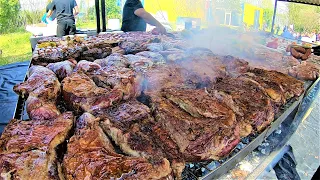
20	136
90	155
131	126
291	86
28	148
254	105
82	94
42	89
197	138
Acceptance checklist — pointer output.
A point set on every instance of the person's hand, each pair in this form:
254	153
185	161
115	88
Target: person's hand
161	29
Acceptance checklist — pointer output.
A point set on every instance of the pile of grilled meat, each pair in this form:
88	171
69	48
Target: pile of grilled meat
139	109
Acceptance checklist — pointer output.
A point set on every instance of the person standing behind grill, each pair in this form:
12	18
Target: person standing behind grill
66	11
135	18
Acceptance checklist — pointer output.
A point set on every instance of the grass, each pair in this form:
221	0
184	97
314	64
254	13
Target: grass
15	47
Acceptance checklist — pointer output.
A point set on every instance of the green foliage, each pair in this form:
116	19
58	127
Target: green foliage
112	9
305	18
15	47
9	11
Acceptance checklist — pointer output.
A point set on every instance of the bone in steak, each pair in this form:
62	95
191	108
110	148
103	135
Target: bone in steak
90	155
62	69
42	89
255	106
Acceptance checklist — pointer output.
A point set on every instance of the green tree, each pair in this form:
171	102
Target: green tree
113	11
267	12
305	18
9	13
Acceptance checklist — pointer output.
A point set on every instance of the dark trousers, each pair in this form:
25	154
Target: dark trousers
66	27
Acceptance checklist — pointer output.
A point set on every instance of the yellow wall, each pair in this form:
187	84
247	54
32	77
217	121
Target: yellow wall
177	8
248	16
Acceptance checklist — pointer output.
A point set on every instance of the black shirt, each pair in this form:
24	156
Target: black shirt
54	13
130	21
64	9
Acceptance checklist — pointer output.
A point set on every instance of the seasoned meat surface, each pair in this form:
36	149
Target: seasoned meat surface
21	136
42	90
62	69
83	95
255	108
90	155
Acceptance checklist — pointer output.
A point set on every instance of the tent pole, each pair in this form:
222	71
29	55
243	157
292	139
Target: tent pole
103	13
274	16
98	16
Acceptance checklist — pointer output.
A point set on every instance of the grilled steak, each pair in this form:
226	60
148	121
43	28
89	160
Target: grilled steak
90	155
131	126
198	103
82	94
305	71
62	69
87	66
34	164
20	136
28	148
197	138
255	108
42	89
114	60
291	86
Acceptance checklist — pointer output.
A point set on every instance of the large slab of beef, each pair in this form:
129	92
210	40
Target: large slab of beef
132	128
81	94
28	148
197	138
306	71
42	90
291	86
254	108
90	155
62	69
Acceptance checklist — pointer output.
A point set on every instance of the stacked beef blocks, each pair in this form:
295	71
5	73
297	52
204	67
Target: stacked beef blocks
137	116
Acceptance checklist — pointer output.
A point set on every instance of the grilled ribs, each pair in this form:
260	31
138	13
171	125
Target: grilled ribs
81	94
42	90
91	155
255	108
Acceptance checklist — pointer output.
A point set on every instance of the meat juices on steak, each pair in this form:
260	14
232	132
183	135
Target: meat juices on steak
291	86
42	90
82	94
62	69
131	127
197	138
90	155
28	148
255	106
